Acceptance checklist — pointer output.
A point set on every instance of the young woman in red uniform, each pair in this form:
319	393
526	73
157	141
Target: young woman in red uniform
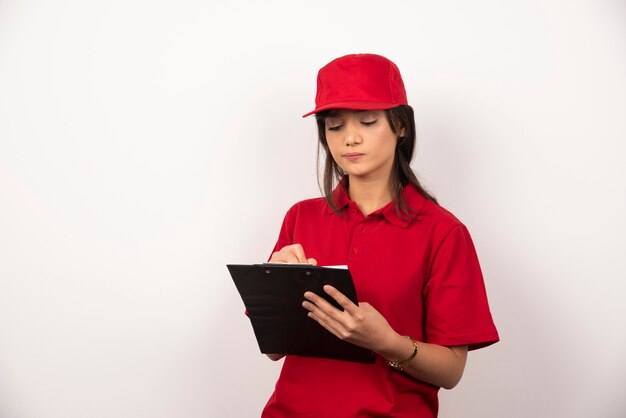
422	300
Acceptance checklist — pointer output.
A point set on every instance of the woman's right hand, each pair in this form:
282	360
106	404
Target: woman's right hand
292	254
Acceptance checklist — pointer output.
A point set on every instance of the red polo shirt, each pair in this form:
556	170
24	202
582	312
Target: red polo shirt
422	275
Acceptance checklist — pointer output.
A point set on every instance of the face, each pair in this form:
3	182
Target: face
361	143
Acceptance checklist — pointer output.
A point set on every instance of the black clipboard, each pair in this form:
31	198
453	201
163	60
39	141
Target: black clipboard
273	296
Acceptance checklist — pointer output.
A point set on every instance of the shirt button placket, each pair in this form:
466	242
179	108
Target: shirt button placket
360	229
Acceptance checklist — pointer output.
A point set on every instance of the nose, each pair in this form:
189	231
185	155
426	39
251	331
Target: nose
352	134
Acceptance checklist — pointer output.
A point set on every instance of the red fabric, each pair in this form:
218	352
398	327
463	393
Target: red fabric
359	81
424	277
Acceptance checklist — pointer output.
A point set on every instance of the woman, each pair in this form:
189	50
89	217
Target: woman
422	301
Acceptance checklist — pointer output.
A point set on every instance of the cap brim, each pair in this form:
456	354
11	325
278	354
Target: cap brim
354	105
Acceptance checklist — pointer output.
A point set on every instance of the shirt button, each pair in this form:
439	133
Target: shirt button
356	250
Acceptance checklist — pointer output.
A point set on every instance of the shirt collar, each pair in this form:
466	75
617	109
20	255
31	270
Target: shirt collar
412	197
340	196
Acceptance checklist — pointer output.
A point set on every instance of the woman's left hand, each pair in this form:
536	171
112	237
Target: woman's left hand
364	326
360	324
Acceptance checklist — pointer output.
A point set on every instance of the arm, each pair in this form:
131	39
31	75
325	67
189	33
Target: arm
364	326
435	364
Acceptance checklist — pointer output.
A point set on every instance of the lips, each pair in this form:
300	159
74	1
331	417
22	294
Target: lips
353	156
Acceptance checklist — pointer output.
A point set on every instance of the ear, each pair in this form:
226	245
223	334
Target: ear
398	127
402	132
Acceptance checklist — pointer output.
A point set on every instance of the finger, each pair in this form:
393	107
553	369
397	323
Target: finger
298	252
329	324
313	309
312	261
291	258
341	299
276	258
283	256
316	312
322	305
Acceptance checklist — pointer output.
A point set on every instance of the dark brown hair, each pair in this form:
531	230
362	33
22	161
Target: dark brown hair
400	118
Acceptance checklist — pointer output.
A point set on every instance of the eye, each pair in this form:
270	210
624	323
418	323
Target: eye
369	122
333	124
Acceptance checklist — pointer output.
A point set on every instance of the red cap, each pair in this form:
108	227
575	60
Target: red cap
360	82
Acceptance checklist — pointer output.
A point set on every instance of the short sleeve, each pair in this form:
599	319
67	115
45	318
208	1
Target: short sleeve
456	306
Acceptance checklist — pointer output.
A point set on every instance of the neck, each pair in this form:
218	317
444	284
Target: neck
370	194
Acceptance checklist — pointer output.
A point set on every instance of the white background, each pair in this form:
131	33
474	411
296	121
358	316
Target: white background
145	144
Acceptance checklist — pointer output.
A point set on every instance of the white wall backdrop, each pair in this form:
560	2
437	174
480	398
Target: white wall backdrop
145	144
